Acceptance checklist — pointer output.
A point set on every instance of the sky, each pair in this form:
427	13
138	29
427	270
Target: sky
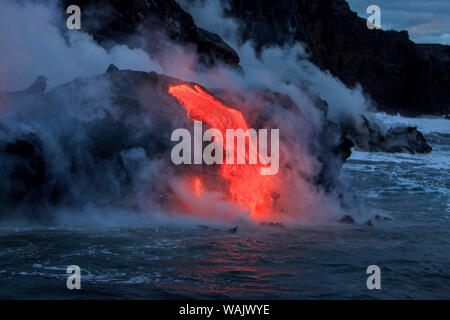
427	21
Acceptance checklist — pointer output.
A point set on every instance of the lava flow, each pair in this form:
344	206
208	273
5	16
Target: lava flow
246	186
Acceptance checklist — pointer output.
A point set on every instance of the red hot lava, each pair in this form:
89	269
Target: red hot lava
247	186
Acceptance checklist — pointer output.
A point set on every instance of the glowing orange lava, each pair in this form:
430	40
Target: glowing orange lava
198	187
246	185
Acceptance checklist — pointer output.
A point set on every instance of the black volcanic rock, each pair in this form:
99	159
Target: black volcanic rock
367	136
112	68
407	140
398	74
39	85
24	162
113	22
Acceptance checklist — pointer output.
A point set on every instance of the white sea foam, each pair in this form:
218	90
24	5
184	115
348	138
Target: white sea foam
434	160
425	124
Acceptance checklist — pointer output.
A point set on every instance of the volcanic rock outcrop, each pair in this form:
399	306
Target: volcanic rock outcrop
113	22
367	136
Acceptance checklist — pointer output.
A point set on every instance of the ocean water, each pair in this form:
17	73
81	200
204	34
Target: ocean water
412	248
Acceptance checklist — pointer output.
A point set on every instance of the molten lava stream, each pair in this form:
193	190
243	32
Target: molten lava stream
246	186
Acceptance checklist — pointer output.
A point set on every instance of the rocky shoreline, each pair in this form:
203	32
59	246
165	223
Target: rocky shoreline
135	114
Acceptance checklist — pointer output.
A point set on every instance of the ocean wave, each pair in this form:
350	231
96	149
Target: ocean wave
425	124
434	160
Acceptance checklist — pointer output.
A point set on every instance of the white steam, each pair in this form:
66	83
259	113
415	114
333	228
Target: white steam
30	46
283	69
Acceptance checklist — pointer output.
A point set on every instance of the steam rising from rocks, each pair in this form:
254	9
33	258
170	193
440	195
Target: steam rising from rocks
98	146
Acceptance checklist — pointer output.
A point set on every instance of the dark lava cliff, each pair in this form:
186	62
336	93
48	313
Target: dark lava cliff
397	74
